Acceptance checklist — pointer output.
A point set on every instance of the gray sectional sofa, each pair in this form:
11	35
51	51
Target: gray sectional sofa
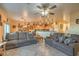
70	48
19	39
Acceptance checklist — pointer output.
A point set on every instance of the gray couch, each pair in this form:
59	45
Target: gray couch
19	39
71	49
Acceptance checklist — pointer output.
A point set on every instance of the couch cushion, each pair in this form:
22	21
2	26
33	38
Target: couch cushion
12	42
67	41
22	35
12	36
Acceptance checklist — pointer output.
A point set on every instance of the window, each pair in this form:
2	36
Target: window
6	29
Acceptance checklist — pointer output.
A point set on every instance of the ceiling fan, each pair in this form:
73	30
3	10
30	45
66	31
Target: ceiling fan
45	9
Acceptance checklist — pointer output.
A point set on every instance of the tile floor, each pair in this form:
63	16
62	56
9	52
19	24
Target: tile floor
35	50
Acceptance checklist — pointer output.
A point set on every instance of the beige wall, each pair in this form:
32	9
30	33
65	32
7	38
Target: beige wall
74	28
13	23
3	20
1	33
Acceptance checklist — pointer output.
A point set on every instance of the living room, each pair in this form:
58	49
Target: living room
39	29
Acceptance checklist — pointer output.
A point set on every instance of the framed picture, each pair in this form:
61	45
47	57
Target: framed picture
77	21
14	26
61	26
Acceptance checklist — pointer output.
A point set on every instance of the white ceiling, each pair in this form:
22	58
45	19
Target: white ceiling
15	9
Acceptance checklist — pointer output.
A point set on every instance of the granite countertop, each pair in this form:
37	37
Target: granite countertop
43	33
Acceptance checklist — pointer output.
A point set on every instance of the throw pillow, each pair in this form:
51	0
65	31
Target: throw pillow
61	39
67	41
56	40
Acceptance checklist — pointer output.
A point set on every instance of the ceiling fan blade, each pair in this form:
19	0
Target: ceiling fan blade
39	7
51	13
37	14
53	7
